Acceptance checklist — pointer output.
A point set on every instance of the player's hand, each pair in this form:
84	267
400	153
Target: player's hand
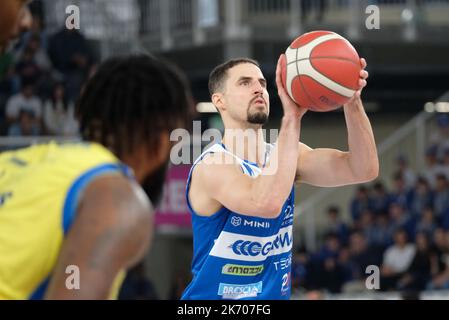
290	107
362	81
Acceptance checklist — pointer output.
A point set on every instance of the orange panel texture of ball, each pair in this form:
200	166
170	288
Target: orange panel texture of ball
321	70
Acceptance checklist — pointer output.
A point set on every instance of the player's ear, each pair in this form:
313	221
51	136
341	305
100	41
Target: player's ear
218	101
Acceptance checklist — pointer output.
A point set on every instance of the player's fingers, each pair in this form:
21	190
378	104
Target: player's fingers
279	85
362	83
363	62
364	74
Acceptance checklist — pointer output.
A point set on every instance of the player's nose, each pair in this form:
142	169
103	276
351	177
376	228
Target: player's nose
258	88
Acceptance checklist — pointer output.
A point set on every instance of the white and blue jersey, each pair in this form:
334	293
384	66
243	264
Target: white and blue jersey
237	256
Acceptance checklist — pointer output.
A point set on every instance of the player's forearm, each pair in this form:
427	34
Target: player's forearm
363	158
275	182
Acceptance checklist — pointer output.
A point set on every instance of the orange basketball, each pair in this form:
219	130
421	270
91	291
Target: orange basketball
321	70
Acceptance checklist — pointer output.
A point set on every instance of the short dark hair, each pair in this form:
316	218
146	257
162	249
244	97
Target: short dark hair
398	176
333	209
130	100
400	230
218	75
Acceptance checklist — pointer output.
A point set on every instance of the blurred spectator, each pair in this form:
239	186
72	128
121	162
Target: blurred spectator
360	203
397	259
71	55
427	223
438	247
445	220
441	197
400	219
440	138
332	276
418	274
26	125
299	269
336	226
27	69
380	234
366	225
24	101
39	54
438	241
136	286
330	250
380	199
345	263
407	173
400	194
325	271
59	113
420	197
433	167
445	163
441	279
360	257
38	31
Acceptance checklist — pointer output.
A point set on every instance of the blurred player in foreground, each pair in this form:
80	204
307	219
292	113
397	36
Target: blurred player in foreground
79	209
15	17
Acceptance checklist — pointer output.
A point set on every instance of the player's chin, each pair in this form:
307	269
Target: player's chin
258	117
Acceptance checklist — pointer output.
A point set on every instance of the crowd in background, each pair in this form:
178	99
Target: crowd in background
403	230
41	79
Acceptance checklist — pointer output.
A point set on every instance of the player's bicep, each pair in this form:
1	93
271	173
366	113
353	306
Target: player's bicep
110	233
323	167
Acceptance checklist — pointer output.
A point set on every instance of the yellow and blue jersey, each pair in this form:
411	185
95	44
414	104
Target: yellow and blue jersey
39	191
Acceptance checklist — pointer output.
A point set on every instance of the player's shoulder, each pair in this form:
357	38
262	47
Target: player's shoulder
116	195
80	156
215	169
82	150
216	159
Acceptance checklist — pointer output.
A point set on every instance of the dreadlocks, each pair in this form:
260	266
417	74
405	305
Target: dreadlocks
131	100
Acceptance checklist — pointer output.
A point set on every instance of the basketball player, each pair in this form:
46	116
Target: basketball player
242	210
15	18
73	216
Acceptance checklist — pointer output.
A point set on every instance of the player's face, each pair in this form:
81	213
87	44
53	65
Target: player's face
14	18
246	94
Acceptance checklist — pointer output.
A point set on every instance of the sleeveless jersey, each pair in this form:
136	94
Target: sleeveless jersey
39	191
236	256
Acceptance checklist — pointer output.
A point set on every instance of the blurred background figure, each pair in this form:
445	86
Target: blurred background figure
418	273
407	173
59	113
336	226
440	138
397	259
28	102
